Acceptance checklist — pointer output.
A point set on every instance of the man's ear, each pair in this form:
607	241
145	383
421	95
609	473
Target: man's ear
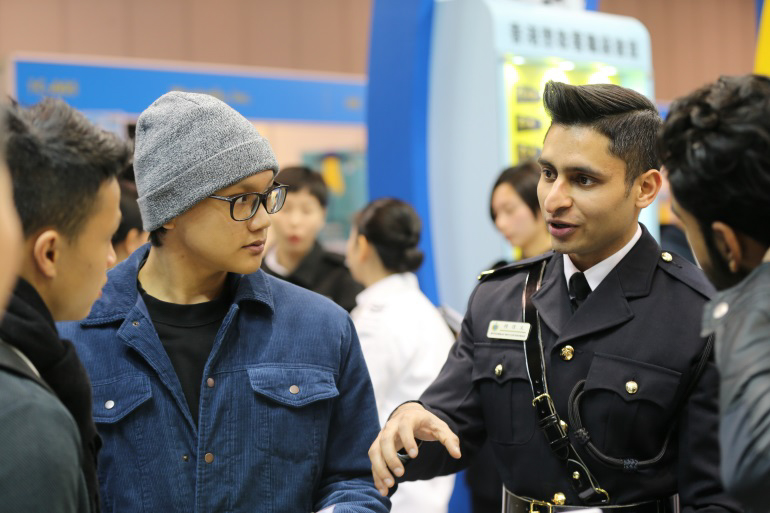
647	187
729	245
46	252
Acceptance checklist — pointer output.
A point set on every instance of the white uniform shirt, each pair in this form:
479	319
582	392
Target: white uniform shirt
405	343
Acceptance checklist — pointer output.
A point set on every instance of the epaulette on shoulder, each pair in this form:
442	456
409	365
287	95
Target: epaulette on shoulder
514	267
686	272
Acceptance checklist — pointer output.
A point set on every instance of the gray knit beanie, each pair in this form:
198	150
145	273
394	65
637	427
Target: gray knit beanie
189	146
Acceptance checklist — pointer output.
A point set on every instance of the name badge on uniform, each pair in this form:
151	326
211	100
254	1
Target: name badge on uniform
508	330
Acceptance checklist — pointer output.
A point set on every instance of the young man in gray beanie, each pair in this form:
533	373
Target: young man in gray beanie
217	387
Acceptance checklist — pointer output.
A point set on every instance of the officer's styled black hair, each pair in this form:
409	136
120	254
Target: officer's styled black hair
523	178
300	178
715	145
627	118
58	161
393	228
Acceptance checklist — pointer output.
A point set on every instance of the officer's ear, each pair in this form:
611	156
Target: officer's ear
728	244
648	186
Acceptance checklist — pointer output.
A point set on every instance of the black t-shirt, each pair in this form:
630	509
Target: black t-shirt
187	332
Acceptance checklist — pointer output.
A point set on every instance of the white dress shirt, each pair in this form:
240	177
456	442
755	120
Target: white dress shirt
405	342
594	275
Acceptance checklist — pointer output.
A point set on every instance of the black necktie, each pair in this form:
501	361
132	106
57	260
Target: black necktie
578	290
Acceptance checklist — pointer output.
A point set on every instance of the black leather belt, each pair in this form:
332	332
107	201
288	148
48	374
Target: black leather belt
514	504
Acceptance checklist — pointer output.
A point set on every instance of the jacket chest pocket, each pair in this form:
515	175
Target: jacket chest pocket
116	399
627	405
500	376
293	408
117	406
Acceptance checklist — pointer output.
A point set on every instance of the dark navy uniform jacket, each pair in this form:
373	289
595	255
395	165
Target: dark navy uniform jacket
641	325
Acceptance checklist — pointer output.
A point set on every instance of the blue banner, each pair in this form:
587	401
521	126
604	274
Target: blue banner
132	89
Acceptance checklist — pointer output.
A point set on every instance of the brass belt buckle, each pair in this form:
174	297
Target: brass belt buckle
533	503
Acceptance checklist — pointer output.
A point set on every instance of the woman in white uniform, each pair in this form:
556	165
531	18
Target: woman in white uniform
403	336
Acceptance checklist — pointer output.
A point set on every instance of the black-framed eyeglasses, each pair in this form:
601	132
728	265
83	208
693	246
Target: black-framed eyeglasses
244	206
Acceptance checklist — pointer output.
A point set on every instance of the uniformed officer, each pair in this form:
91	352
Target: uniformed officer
583	367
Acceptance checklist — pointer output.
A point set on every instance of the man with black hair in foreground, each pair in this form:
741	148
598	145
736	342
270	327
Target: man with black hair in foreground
584	367
715	148
63	170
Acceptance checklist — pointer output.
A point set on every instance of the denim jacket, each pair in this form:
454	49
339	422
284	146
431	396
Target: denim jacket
286	416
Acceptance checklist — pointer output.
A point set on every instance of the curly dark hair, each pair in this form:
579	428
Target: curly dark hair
627	118
715	145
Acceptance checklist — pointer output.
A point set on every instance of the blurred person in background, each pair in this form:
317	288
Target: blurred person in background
403	336
715	148
515	210
65	188
216	386
294	253
130	235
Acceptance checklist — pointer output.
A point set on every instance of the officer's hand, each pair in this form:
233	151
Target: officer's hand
408	422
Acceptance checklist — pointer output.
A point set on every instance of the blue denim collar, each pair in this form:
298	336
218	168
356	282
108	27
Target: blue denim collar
120	294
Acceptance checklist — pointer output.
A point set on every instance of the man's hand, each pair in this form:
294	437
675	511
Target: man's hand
408	422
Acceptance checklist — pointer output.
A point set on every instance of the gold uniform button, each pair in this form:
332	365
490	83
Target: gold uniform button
499	370
567	353
563	425
294	389
576	475
208	458
666	256
559	499
632	387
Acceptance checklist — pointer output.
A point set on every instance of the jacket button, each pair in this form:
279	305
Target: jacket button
567	352
208	458
109	404
559	499
499	370
294	389
135	324
563	425
576	475
632	387
210	382
185	457
666	256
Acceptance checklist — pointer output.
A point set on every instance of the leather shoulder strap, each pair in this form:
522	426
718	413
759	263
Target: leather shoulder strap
582	480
